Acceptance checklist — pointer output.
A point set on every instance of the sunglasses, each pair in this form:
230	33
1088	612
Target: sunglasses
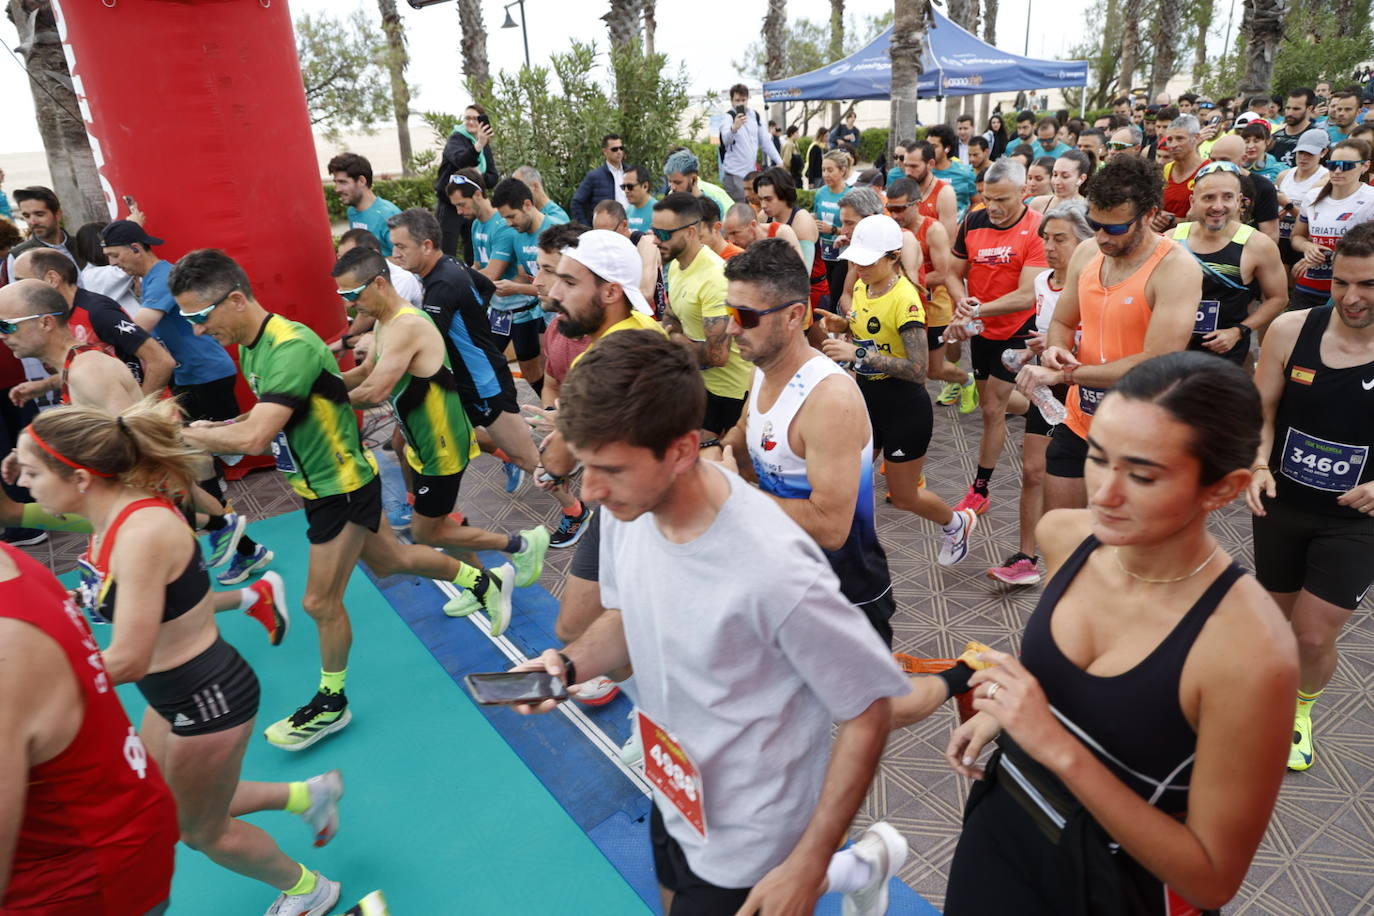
351	295
1207	106
614	149
1343	165
203	315
1220	165
898	208
11	326
664	235
461	179
1113	228
630	186
1118	145
748	318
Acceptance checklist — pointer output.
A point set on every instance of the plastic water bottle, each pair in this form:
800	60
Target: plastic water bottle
1041	395
975	327
1015	359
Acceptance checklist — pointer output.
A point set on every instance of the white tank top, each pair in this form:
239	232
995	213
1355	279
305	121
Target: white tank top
1297	192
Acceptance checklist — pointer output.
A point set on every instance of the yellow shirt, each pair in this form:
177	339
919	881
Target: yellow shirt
696	294
877	324
638	321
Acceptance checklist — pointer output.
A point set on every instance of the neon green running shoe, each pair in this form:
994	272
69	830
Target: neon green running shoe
325	714
495	600
949	394
1300	754
968	396
529	563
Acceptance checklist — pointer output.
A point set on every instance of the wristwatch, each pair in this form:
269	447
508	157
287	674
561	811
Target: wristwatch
712	442
860	354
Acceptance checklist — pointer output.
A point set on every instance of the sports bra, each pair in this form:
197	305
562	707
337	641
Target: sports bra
97	589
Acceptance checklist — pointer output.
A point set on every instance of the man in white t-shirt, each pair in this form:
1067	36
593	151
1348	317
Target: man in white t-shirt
745	651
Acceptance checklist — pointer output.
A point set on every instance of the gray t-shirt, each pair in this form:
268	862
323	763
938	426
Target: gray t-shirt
746	651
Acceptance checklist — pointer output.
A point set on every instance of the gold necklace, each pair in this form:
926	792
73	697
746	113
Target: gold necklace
1116	555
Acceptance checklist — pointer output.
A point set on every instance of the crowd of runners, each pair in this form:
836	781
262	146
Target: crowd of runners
718	387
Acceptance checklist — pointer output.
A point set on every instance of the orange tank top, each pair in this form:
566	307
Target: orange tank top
929	205
1114	320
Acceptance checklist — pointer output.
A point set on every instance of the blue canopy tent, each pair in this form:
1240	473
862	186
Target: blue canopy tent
955	62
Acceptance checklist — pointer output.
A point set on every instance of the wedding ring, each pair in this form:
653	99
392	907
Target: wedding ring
992	689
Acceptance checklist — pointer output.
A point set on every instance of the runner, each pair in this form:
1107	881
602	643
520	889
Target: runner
805	424
936	196
1313	486
408	368
1239	265
998	254
1326	215
1154	715
778	197
153	586
1180	142
1067	177
887	350
750	839
1296	184
81	798
1133	293
303	418
1064	227
835	168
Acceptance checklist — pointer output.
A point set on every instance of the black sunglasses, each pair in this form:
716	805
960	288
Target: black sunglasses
614	149
1113	228
664	235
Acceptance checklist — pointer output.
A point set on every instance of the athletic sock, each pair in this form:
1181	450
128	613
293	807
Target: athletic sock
847	872
247	598
297	797
306	885
1305	701
575	509
515	543
954	524
215	522
332	682
501	454
247	546
981	480
473	579
538	386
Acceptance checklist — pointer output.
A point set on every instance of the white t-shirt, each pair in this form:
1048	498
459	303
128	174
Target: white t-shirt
1046	298
745	650
113	282
1328	220
407	284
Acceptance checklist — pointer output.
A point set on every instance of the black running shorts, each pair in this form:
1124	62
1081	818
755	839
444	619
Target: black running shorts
985	356
1036	424
1326	555
325	517
526	336
1066	453
213	692
722	413
435	497
586	561
902	417
484	413
692	895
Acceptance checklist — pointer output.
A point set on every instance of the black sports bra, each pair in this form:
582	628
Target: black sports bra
98	587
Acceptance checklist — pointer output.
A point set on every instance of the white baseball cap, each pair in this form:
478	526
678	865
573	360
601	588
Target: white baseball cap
613	258
1313	141
874	237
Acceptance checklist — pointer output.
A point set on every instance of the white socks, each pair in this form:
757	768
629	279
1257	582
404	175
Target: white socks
955	525
847	872
247	598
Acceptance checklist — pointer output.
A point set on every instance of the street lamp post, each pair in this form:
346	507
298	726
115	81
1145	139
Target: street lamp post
510	24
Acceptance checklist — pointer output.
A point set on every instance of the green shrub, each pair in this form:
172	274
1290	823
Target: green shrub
403	192
872	144
806	198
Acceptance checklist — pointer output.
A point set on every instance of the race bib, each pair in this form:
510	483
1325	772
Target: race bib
673	773
500	322
88	590
829	251
1322	464
1208	310
1089	399
281	454
872	351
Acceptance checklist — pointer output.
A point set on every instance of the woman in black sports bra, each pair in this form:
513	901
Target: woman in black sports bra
1144	728
152	584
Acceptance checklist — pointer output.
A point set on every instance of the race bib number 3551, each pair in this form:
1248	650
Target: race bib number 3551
673	773
1322	464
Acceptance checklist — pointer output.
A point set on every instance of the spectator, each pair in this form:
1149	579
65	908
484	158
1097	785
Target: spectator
845	136
996	137
352	177
5	210
942	139
978	154
683	173
1297	120
9	237
42	212
639	212
1093	142
1025	131
741	141
791	155
602	182
535	182
963	129
468	147
815	153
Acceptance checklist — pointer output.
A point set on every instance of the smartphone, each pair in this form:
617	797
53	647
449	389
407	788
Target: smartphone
1216	119
483	119
129	202
510	688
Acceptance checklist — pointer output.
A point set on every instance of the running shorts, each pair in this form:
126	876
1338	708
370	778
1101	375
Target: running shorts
985	355
435	497
325	517
902	417
213	692
586	561
484	413
692	895
722	413
525	335
1066	453
1327	555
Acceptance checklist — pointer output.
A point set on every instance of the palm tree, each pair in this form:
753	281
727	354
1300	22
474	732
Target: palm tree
650	26
1203	10
963	13
623	22
775	45
1168	17
1130	50
990	36
836	48
396	60
474	44
1262	29
911	19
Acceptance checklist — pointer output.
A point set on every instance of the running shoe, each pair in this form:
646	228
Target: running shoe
398	517
570	528
968	397
955	545
319	902
25	537
529	563
374	904
975	501
325	714
597	692
1300	754
242	568
632	751
515	476
949	394
884	850
323	813
270	608
225	541
495	601
1019	570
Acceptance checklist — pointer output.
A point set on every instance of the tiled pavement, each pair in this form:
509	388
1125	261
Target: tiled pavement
1318	856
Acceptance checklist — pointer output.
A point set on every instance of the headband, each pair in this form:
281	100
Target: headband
33	434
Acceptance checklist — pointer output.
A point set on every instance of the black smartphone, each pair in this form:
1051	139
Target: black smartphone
1216	119
509	688
129	201
483	119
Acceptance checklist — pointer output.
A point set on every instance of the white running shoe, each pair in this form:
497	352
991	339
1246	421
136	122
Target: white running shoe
319	902
323	813
632	751
884	849
955	546
597	692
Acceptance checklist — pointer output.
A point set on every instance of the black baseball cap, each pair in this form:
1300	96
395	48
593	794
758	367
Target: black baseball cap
126	232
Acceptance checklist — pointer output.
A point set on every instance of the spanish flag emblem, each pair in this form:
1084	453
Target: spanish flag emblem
1302	376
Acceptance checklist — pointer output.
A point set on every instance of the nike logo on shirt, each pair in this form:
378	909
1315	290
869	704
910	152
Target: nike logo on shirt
1369	385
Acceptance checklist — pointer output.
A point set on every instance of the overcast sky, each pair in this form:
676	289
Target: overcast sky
705	34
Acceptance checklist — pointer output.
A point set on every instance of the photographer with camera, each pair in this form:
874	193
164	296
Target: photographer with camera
741	138
468	147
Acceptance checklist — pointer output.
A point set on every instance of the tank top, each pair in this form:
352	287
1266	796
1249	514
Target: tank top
1296	191
72	354
817	266
1114	320
929	205
99	825
940	307
860	562
1046	298
1324	426
430	413
1132	721
1178	195
660	282
98	587
1226	297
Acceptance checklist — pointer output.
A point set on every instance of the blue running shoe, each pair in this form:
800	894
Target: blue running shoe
515	476
242	568
225	541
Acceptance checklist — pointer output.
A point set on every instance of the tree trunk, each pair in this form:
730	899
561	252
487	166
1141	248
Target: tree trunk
911	19
963	13
1262	29
1203	14
990	36
71	162
775	45
836	48
474	45
622	21
1168	14
396	62
650	25
1130	48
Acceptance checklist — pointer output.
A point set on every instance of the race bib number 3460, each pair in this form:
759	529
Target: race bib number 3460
673	773
1322	464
